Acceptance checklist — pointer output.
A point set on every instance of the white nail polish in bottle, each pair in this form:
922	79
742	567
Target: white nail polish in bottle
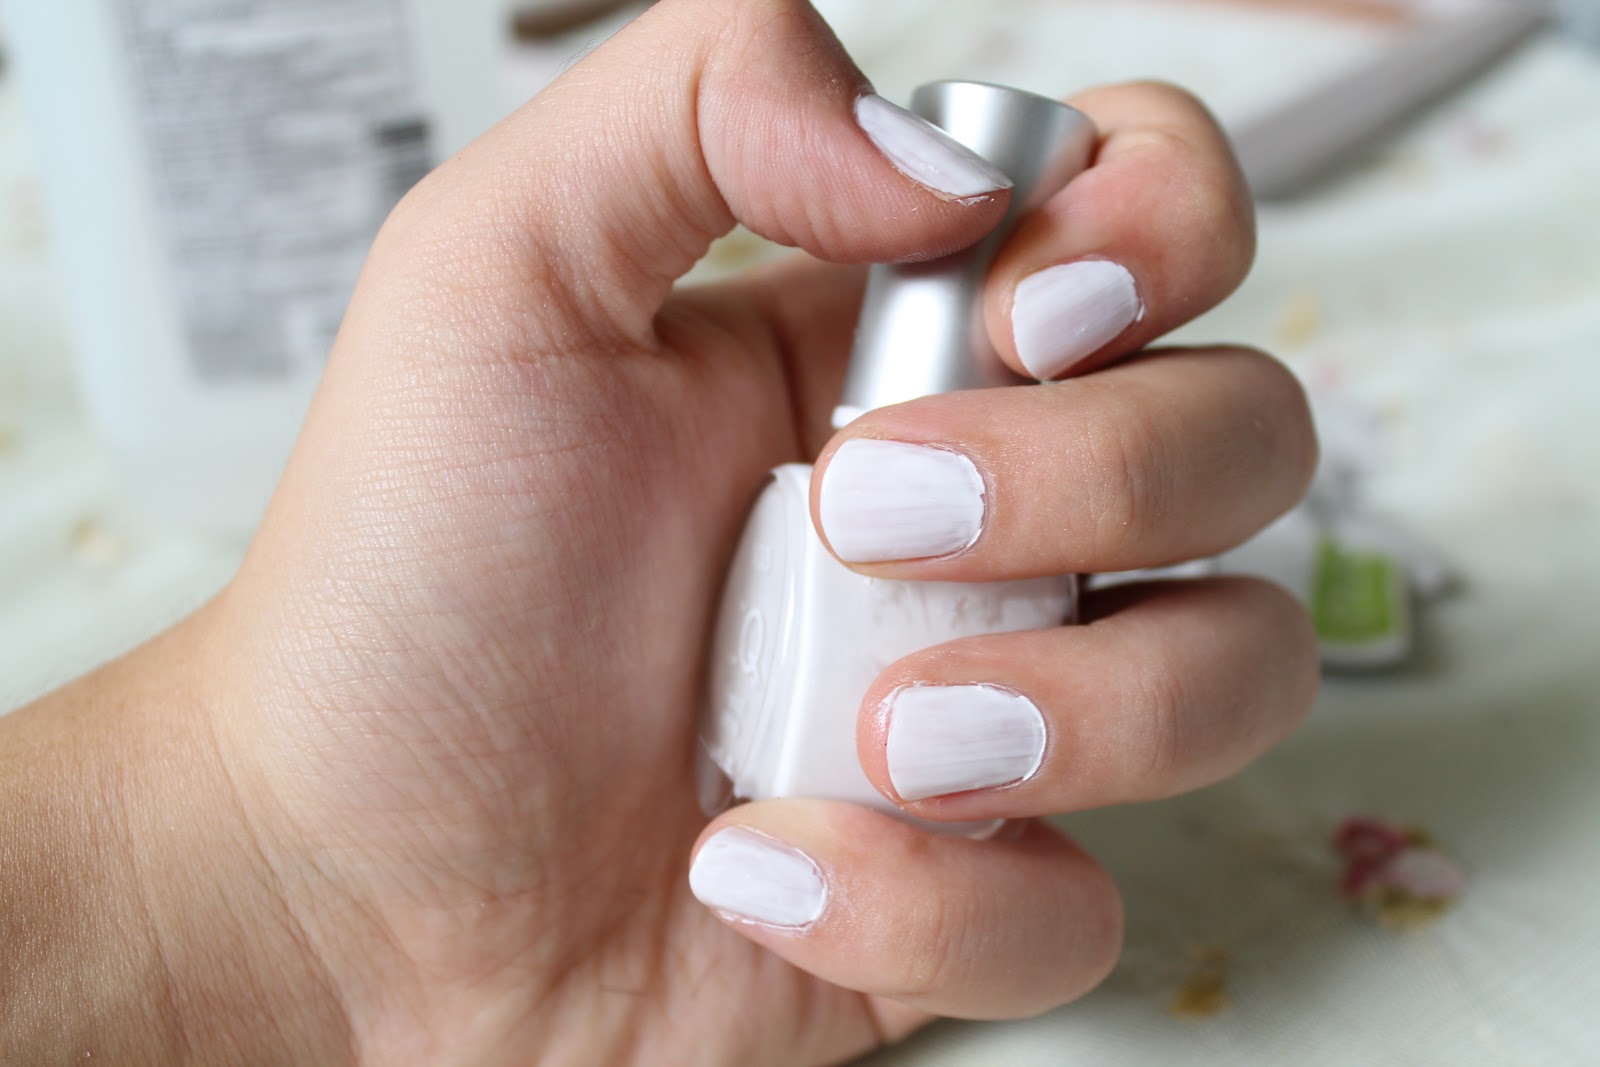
800	637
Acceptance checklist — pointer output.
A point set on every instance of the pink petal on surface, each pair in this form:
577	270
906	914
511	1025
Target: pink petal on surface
1426	873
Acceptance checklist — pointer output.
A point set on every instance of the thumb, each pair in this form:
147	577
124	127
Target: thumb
608	186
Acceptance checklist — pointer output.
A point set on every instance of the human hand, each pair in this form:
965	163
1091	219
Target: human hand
440	728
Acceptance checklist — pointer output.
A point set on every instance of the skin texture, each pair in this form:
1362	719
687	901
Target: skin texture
416	786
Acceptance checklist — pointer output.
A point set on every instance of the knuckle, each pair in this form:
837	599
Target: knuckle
1165	97
924	968
1216	207
1198	193
1204	185
1133	475
1166	711
1169	143
749	28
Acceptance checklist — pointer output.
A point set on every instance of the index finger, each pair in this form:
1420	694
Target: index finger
1157	230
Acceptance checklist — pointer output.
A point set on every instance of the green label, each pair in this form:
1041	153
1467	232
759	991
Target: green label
1352	595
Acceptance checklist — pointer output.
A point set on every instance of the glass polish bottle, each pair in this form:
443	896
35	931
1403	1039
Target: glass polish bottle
800	637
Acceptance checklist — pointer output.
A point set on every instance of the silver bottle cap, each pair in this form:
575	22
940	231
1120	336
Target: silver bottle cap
921	328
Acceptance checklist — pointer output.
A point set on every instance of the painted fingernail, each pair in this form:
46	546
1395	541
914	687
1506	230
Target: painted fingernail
925	153
757	878
887	500
952	738
1061	314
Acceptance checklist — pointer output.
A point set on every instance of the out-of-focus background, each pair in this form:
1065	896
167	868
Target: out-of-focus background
187	188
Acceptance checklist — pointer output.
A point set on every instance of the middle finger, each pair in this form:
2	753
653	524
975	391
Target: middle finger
1146	463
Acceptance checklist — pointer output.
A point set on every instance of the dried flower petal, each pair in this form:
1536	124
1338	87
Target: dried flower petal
1426	873
1397	871
1205	992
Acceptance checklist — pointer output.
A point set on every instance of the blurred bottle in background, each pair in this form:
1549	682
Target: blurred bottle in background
1580	20
525	44
214	172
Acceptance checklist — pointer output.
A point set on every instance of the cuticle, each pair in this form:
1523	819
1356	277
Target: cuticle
985	496
745	920
1100	257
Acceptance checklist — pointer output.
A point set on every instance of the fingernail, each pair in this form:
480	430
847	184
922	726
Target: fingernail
754	877
925	153
952	738
887	500
1061	314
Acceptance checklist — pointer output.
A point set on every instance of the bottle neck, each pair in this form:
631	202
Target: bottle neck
921	328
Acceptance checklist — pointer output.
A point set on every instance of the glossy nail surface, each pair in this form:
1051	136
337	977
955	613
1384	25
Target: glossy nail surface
1062	314
757	878
954	738
889	500
925	153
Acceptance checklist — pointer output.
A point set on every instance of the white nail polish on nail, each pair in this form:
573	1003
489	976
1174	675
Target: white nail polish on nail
1062	314
925	153
757	878
888	500
952	738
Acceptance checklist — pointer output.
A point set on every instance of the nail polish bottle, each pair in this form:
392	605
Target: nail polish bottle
800	637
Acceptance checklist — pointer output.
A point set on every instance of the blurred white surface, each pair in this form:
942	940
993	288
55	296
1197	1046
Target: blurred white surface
1449	291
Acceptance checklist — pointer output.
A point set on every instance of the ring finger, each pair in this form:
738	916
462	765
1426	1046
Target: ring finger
1171	687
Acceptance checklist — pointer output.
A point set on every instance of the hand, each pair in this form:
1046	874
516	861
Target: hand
417	786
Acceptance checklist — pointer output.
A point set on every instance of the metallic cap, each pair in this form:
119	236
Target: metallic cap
921	329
